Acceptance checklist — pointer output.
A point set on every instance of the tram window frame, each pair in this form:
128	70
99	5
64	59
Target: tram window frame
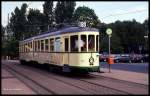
73	41
28	48
42	45
84	47
23	48
66	45
39	45
57	44
46	44
31	44
35	45
51	44
97	43
91	49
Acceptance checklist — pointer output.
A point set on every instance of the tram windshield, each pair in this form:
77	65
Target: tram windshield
83	43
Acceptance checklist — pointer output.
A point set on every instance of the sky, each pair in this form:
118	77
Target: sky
107	12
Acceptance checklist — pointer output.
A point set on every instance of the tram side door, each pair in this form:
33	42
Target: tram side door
66	51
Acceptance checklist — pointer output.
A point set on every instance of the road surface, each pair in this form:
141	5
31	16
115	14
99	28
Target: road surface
135	67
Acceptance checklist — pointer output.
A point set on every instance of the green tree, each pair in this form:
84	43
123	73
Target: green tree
18	21
64	11
146	33
2	31
85	14
130	33
59	12
69	10
48	12
36	22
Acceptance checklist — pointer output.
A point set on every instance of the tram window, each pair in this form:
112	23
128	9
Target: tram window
25	47
39	45
83	43
46	44
74	43
31	44
51	44
97	43
91	43
66	44
57	44
28	46
35	43
42	45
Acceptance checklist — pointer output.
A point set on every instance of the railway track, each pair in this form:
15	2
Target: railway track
53	85
37	88
90	84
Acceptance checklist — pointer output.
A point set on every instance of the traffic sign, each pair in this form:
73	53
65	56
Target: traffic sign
109	31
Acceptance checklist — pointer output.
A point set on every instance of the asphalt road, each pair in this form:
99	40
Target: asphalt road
135	67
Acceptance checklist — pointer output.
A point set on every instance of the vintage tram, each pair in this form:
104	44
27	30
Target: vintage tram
70	49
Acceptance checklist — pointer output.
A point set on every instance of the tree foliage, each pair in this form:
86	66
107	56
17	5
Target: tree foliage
48	12
64	11
36	22
85	14
18	21
2	31
127	36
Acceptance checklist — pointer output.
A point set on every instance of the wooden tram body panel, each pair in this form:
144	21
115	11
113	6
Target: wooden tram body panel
61	57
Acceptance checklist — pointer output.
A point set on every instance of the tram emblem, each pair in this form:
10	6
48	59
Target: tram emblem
91	60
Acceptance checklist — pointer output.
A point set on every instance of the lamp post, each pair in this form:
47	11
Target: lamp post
109	32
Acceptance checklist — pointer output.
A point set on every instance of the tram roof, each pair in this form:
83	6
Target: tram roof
62	31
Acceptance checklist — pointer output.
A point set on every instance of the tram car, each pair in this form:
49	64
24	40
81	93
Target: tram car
69	49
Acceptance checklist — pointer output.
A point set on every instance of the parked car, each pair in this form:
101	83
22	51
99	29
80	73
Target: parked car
146	58
125	59
137	58
117	58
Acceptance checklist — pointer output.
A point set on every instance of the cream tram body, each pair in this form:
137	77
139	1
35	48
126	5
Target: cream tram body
73	48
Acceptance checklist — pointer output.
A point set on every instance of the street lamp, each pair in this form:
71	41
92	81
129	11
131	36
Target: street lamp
109	32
